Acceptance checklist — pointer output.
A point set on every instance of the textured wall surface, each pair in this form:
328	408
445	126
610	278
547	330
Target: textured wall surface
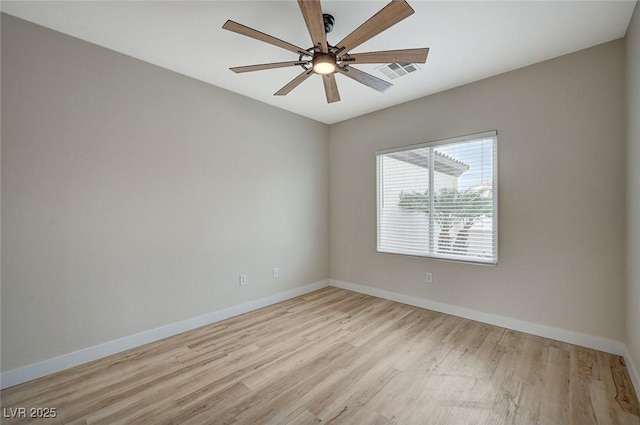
633	189
133	197
561	185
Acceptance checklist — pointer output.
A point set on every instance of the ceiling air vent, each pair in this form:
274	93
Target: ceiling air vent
395	70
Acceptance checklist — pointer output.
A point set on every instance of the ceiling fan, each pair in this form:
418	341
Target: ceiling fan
327	60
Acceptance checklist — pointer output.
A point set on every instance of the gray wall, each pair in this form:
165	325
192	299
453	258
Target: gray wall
633	189
561	149
132	197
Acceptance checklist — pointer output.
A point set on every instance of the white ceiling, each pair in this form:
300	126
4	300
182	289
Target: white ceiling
469	41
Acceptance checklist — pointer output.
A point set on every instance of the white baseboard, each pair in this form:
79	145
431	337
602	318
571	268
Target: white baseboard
584	340
633	371
66	361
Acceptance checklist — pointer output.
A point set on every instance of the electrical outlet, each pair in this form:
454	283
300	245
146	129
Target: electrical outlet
243	279
429	277
276	273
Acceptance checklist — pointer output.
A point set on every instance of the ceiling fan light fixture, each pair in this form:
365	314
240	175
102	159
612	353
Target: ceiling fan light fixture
324	64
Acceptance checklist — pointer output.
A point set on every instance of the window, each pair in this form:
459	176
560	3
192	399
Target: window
439	199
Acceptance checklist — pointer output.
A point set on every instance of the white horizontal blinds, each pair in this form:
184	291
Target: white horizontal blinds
401	230
439	200
463	200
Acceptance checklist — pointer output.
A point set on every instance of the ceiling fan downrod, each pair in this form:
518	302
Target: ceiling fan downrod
329	20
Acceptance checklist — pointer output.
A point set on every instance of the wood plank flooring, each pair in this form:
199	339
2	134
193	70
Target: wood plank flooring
338	357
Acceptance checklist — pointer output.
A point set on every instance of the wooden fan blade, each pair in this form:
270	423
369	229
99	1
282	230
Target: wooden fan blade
387	17
364	78
250	68
390	56
312	13
331	88
250	32
294	83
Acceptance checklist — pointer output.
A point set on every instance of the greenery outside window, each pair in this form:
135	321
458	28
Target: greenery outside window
439	199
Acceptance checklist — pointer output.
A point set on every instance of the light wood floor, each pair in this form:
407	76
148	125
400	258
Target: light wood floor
338	357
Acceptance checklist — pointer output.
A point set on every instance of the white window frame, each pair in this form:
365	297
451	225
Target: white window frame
432	253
